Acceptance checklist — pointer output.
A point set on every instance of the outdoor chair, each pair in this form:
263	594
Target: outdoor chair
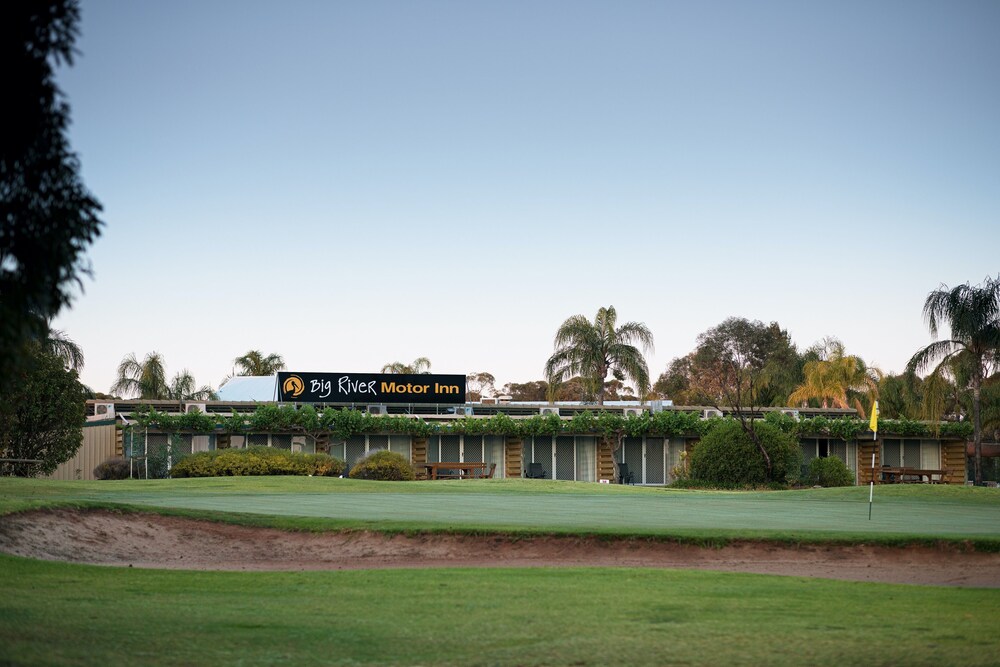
535	471
624	474
488	474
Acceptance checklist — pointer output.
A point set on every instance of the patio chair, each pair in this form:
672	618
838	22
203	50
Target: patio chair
488	474
535	471
624	474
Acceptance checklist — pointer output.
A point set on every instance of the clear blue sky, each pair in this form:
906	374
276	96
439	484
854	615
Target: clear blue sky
353	183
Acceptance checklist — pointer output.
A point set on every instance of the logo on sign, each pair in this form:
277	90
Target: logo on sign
293	385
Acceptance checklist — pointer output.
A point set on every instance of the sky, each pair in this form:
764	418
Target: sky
349	184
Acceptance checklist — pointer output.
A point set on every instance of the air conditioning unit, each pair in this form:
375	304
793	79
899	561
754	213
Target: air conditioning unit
463	410
549	411
504	400
102	411
194	407
376	409
708	414
794	414
488	400
637	412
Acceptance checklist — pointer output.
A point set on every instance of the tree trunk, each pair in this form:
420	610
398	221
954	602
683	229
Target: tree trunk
977	432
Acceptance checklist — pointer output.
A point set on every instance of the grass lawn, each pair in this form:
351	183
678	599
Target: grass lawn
901	512
58	614
61	614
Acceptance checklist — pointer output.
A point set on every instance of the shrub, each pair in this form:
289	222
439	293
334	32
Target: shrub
829	471
383	465
113	468
256	461
728	457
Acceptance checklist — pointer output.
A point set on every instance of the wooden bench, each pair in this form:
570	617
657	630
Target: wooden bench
903	475
458	470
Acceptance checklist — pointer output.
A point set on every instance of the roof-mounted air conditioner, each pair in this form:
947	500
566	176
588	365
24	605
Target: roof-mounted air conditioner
794	414
194	407
637	412
549	411
708	414
376	409
102	411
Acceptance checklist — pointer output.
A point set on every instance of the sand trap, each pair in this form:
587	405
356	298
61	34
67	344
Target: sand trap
154	541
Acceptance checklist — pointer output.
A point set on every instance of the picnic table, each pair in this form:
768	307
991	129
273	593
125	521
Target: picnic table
903	475
459	470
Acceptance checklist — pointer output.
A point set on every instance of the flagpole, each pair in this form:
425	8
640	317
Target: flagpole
873	424
871	488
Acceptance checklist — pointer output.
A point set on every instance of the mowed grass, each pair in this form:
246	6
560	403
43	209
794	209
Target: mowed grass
58	614
900	512
61	614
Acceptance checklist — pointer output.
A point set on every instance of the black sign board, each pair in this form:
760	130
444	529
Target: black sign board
370	388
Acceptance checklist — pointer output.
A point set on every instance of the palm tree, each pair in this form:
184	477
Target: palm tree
63	347
182	388
420	366
595	349
145	379
972	315
255	363
833	379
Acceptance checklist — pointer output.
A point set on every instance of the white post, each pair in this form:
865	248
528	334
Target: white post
871	487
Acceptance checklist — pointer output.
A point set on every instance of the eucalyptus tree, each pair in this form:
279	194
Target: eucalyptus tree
732	368
594	350
255	363
419	366
971	314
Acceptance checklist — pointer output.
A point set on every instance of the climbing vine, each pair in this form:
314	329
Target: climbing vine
343	423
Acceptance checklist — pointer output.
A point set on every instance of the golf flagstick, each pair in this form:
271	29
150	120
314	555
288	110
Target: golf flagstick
874	426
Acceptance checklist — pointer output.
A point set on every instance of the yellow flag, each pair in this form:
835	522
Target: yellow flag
873	424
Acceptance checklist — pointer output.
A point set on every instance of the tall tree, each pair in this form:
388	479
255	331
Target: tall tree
419	366
148	379
972	316
478	385
184	388
47	216
593	350
255	363
63	347
526	391
732	366
837	378
142	379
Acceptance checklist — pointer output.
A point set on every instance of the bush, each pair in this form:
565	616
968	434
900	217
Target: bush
829	471
726	456
256	461
385	466
113	468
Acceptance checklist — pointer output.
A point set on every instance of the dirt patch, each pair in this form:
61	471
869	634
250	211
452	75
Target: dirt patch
155	541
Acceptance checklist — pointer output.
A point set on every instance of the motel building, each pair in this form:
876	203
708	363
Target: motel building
112	430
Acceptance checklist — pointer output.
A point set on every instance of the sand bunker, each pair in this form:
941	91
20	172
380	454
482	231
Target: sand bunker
154	541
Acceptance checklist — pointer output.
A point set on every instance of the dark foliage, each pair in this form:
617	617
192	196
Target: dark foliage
41	414
47	216
727	455
114	468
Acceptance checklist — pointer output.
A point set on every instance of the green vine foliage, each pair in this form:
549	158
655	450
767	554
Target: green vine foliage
343	423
